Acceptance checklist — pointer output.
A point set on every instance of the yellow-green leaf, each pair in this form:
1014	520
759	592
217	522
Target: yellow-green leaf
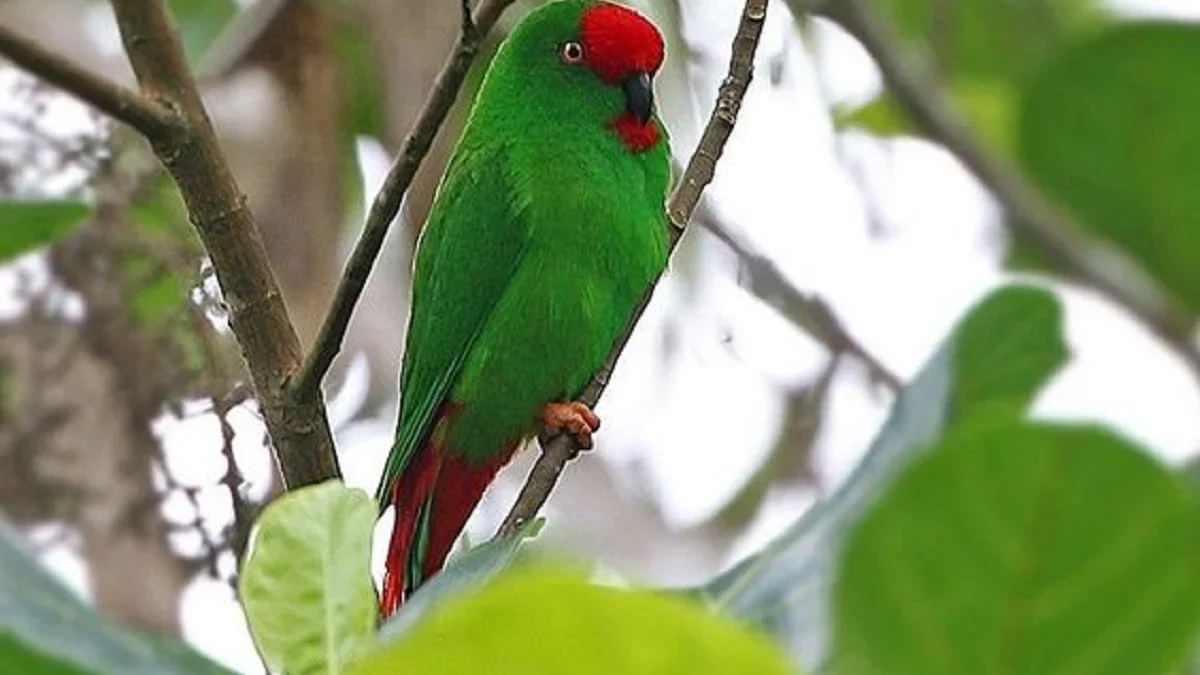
306	584
544	623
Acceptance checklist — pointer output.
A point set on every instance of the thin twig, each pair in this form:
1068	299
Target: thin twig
387	202
1051	228
809	312
699	173
120	103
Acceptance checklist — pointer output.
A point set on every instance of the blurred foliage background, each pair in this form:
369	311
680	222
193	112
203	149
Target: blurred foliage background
829	305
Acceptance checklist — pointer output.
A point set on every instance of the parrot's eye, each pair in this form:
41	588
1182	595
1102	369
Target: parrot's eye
571	52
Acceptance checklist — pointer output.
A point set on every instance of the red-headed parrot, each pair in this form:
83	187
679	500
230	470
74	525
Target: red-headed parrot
547	230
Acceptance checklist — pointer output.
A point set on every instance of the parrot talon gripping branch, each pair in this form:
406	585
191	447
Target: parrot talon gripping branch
573	417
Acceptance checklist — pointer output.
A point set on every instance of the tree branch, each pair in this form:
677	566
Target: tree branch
125	105
387	202
560	449
808	312
1051	228
299	428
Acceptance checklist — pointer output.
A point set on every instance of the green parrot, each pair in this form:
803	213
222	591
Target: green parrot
547	230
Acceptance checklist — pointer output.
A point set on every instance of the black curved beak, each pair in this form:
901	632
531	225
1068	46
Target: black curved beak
639	96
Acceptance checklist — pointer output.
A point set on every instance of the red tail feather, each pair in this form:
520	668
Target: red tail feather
460	486
412	489
455	487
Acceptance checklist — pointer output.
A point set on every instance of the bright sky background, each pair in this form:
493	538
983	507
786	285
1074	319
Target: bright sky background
783	189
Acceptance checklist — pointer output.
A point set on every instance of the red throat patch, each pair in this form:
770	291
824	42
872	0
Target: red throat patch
637	137
619	42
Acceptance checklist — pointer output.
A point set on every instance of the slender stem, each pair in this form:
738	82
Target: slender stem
560	449
808	312
125	105
387	202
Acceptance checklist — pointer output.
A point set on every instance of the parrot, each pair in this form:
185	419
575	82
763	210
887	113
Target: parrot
547	230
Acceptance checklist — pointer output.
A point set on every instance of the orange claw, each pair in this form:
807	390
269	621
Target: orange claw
574	417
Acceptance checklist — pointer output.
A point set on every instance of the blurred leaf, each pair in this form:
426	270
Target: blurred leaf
45	630
982	51
1005	350
362	81
1019	548
989	38
1110	131
364	111
200	22
465	573
28	226
1000	354
159	208
550	623
987	104
306	583
1191	472
155	299
161	215
882	117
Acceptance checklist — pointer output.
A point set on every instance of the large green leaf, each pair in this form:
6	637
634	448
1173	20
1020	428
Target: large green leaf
28	226
1109	130
1000	354
45	630
306	583
465	573
1022	548
550	623
981	51
988	38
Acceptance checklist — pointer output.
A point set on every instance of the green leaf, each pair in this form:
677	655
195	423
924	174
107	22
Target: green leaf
45	630
155	299
306	584
28	226
981	50
162	217
465	573
550	623
362	81
1020	548
200	22
1109	130
784	589
989	38
988	104
1006	350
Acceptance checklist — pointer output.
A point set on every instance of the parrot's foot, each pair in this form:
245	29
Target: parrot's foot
573	417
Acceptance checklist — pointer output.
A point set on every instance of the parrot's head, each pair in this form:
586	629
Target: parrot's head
585	64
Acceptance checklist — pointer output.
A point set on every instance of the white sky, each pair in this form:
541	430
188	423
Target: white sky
785	192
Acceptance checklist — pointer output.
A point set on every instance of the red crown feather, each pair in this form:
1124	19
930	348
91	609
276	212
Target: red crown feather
618	42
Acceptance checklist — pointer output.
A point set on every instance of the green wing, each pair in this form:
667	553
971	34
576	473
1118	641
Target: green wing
468	252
